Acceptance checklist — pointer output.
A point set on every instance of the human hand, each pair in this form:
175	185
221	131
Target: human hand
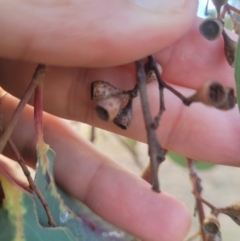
153	216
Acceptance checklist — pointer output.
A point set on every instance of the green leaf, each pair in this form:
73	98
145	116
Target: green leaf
181	161
18	218
67	211
237	72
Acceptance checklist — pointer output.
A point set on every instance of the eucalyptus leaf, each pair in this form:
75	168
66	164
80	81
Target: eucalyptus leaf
18	218
67	211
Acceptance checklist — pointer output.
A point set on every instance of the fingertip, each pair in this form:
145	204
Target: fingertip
79	33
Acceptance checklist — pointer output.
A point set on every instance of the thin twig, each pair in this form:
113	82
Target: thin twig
195	180
227	8
32	183
152	65
206	8
155	149
38	120
38	75
184	99
93	134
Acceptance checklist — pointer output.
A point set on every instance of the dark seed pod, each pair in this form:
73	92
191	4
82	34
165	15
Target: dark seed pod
216	95
233	212
108	108
229	48
124	116
230	100
211	226
102	89
218	4
211	28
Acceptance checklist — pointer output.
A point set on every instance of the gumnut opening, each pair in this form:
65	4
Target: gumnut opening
211	28
108	108
211	225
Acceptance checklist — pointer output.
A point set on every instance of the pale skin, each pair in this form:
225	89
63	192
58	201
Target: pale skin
188	61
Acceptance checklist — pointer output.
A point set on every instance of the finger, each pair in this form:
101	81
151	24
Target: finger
91	33
198	132
110	188
110	191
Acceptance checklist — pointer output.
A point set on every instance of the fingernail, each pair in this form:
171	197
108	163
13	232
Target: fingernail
160	5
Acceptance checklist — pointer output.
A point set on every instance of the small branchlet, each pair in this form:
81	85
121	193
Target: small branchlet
218	5
210	225
113	104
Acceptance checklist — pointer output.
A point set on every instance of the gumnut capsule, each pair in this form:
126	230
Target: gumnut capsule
107	109
102	89
233	212
211	28
229	48
211	225
124	116
214	94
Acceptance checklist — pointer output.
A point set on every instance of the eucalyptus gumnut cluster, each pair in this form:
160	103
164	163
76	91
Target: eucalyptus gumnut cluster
213	28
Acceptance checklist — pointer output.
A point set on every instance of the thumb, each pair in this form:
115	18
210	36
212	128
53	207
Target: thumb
91	33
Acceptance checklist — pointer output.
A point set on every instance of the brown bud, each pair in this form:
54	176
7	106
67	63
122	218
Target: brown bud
216	95
229	48
218	4
124	116
233	212
211	225
211	28
108	108
151	76
101	90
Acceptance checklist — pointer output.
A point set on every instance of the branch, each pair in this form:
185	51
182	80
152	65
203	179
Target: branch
31	182
195	180
38	75
155	150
